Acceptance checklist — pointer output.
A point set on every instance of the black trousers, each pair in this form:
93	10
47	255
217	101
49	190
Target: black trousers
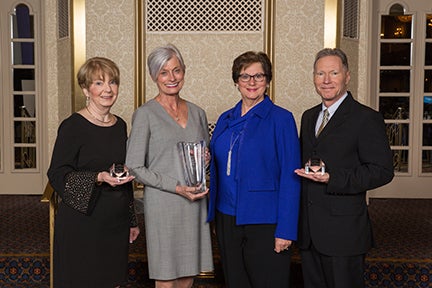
323	271
248	256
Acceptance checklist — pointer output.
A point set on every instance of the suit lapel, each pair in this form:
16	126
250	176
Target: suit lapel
339	117
310	124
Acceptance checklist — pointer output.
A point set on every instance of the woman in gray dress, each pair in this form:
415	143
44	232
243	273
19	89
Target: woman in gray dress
178	237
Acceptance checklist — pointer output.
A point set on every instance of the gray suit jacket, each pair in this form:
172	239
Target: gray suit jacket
355	149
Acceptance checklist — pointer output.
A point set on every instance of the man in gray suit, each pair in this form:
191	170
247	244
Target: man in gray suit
335	231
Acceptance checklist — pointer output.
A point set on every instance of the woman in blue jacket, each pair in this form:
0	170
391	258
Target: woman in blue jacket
254	192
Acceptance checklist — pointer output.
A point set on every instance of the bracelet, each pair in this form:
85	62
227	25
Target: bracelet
97	180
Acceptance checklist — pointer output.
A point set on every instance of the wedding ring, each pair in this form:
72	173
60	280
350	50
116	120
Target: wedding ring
118	180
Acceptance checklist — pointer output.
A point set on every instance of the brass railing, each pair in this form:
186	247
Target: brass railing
396	138
49	196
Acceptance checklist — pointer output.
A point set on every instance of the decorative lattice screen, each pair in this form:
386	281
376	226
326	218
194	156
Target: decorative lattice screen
350	21
63	18
204	16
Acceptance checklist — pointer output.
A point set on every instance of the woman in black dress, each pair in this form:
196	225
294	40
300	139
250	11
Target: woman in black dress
95	220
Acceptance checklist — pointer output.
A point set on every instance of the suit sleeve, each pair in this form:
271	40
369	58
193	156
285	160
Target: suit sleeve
374	164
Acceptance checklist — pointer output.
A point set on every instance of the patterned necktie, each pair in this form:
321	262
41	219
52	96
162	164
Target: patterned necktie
324	122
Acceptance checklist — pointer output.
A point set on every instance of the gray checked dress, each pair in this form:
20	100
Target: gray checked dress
177	235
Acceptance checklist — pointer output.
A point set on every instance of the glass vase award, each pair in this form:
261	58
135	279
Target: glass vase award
192	156
315	165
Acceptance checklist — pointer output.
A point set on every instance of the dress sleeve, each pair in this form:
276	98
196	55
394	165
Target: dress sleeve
80	191
137	152
132	215
205	126
76	188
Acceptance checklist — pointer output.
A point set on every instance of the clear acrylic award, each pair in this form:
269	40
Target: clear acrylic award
192	156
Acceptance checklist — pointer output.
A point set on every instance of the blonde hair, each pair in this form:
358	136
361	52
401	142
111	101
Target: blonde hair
97	68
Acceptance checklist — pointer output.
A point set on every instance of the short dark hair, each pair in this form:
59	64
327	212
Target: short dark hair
332	52
248	58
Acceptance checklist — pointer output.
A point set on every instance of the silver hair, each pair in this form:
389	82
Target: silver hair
160	56
332	52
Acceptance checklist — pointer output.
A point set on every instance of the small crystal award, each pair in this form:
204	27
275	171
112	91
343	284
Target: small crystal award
315	165
119	171
192	156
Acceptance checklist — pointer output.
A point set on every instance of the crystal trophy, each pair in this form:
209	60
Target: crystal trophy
315	165
192	156
119	171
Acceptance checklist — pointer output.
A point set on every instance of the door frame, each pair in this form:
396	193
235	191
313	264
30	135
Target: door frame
414	183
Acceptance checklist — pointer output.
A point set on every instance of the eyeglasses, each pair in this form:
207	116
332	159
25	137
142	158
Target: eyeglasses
259	77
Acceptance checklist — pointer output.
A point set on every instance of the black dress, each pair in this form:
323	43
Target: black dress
92	223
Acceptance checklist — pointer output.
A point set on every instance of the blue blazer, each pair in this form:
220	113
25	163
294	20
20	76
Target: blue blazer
268	190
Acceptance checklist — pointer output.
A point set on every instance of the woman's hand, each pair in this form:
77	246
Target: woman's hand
104	176
282	244
133	234
191	193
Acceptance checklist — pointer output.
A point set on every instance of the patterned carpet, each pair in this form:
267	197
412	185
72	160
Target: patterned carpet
403	234
402	258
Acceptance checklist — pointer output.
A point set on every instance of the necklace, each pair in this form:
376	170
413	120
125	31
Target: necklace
232	143
176	116
172	112
97	119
